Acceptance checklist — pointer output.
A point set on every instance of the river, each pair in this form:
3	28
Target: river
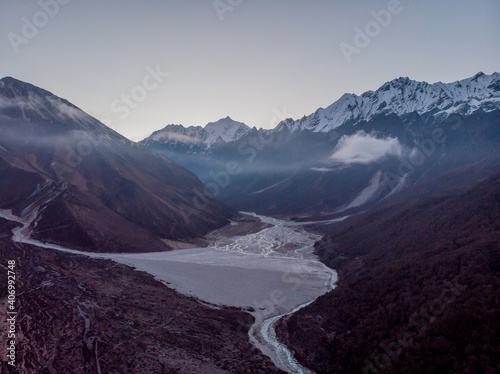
271	273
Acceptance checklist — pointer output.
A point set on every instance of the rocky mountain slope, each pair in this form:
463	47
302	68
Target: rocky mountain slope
87	187
418	292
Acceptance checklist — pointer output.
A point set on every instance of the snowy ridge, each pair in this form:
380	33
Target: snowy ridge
402	96
224	130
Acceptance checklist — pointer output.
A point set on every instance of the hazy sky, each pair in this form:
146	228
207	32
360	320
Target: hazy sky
254	60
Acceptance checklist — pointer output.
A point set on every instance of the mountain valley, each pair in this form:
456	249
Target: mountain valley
352	240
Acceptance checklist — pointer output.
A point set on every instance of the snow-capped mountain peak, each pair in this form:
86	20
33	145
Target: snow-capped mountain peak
402	96
224	130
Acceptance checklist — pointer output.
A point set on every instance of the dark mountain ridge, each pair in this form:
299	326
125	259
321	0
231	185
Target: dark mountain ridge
418	292
102	192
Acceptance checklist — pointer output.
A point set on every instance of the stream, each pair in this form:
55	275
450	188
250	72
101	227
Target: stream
271	274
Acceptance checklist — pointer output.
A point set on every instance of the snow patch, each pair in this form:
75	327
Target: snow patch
368	192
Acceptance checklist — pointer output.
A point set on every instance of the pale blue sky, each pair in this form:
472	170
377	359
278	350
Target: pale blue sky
265	58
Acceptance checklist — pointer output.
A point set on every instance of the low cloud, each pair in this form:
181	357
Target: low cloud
363	148
321	170
67	110
176	137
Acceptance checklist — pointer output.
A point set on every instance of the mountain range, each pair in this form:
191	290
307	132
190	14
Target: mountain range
398	97
402	183
204	138
403	96
359	150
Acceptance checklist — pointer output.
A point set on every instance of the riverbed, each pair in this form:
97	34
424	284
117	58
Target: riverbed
270	273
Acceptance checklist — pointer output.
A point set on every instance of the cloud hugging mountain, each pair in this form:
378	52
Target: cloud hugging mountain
382	142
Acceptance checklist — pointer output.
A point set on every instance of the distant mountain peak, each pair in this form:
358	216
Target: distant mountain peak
477	76
403	96
224	130
402	80
224	121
